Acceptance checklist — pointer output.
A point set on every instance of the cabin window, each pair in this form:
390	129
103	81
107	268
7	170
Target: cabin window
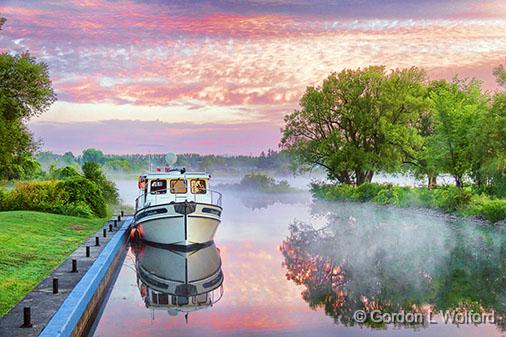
158	186
178	186
198	186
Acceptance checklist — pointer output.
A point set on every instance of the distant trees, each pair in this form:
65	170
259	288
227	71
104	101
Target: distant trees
93	156
362	121
358	122
25	92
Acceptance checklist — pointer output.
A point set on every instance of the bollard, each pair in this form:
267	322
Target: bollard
105	232
97	241
27	318
119	218
115	223
74	265
88	251
122	213
55	285
110	227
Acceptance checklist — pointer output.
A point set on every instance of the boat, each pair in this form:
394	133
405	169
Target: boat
178	280
177	208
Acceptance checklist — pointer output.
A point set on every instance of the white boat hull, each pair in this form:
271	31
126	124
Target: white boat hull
185	224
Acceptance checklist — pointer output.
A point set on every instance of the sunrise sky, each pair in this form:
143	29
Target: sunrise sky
218	76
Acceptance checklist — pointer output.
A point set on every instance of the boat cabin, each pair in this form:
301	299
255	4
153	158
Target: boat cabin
174	186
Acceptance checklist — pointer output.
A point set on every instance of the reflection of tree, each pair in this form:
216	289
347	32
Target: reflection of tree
382	259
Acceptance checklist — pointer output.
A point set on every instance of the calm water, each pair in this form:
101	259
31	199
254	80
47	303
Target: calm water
295	268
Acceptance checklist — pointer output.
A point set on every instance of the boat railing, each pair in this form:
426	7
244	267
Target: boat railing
216	197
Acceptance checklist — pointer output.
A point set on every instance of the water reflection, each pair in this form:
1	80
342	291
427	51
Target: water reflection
178	281
367	258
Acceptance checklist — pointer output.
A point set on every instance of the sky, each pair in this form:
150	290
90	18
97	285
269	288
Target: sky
218	76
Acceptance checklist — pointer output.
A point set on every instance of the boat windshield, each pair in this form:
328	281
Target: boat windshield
178	186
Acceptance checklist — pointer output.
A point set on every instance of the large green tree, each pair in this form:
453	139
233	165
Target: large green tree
357	122
25	92
457	107
491	151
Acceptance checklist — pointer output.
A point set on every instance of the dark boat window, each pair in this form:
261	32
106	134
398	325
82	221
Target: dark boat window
198	186
178	186
158	186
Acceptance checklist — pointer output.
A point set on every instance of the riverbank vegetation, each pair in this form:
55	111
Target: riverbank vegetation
361	122
87	195
464	201
33	244
258	182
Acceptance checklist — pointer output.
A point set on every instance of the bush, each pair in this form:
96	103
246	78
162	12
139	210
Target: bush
264	183
75	196
93	172
494	210
79	191
451	198
368	191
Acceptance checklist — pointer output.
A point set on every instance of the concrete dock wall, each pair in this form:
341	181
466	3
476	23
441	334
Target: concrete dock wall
78	311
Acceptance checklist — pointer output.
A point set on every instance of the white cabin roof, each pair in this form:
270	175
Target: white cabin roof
176	174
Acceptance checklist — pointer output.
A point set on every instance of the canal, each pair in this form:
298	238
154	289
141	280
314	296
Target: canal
293	267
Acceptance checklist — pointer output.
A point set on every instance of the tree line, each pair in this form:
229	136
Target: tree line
360	122
273	161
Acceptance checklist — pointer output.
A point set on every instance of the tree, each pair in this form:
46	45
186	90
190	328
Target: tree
93	156
25	92
456	106
357	122
68	158
500	74
93	172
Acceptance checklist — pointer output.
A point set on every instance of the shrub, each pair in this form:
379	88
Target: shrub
264	183
368	191
451	198
388	196
79	190
76	196
494	210
93	172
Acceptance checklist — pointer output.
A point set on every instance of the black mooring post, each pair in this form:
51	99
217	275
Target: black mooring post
74	265
119	218
27	317
105	232
110	227
88	251
97	241
115	223
55	285
122	213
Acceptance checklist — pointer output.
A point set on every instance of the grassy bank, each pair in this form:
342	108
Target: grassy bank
463	202
32	244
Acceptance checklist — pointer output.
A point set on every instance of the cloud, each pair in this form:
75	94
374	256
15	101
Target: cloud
236	61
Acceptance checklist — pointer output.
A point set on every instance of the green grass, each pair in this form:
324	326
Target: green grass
32	244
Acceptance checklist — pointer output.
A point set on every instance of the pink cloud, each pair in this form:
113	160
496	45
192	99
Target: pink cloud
157	54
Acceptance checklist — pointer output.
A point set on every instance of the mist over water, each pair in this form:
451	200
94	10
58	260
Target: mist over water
295	267
368	256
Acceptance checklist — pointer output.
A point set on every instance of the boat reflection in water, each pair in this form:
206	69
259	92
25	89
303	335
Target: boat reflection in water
178	280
